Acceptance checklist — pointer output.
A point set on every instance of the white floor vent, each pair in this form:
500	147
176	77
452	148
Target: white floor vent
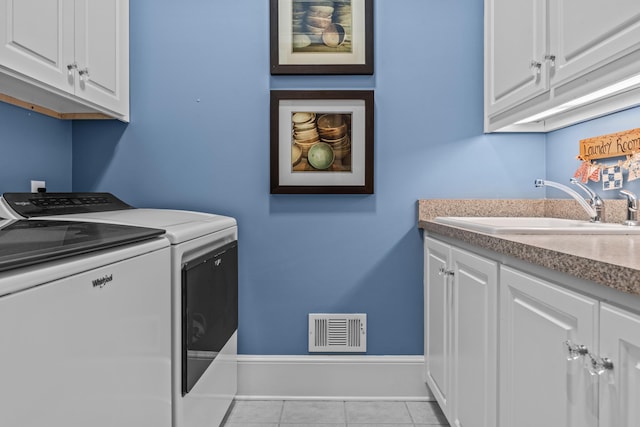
337	333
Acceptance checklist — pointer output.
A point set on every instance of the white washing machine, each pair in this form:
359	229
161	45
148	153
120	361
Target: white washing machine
204	276
83	320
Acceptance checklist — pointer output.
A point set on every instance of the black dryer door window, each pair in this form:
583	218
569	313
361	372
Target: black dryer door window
209	309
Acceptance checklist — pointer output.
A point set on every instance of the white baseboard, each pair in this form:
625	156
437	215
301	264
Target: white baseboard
332	378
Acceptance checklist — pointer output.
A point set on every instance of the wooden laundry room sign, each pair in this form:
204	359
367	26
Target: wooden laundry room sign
612	145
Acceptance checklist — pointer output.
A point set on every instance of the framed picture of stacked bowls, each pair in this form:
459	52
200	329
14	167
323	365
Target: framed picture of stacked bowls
321	37
322	142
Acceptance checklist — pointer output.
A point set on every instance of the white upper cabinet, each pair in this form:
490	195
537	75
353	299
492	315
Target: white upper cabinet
102	53
518	42
590	33
69	57
541	55
38	40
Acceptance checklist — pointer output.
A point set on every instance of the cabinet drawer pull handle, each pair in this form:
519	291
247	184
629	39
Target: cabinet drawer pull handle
575	351
444	272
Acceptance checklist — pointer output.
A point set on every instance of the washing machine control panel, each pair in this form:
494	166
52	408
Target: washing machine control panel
31	205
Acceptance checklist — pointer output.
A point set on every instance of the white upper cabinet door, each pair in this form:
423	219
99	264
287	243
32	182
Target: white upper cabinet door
620	386
437	312
539	386
102	52
474	340
516	43
586	34
37	40
68	56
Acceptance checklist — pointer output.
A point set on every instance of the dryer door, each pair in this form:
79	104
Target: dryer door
209	309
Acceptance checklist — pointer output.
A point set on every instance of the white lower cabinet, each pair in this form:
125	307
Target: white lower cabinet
461	325
505	347
538	385
437	306
620	386
598	385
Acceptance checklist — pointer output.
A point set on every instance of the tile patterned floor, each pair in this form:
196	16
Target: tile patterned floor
308	413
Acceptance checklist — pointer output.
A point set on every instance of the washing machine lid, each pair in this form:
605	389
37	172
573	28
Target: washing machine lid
180	226
24	243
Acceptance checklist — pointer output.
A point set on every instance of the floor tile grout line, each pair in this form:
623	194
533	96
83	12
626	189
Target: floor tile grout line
344	410
280	420
406	405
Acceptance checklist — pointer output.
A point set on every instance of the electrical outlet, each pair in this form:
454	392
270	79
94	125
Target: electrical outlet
37	184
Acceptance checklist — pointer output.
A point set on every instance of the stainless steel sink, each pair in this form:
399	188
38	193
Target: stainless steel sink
535	225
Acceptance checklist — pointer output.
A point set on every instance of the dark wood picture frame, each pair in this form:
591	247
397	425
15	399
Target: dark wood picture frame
347	141
283	40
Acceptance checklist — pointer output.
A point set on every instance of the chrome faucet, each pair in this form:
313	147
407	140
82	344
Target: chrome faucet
632	207
593	207
594	200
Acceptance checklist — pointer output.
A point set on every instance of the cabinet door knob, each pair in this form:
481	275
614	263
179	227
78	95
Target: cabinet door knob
444	272
84	74
575	351
72	67
597	365
536	67
551	59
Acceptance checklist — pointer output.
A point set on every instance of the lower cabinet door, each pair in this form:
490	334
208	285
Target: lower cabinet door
474	340
437	311
539	385
620	386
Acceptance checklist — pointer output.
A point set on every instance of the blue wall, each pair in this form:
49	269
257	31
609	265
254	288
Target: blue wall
563	146
199	139
34	147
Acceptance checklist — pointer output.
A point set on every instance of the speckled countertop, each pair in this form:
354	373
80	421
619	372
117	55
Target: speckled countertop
610	260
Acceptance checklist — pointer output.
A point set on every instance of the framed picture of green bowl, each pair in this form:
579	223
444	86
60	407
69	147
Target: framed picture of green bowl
322	142
321	37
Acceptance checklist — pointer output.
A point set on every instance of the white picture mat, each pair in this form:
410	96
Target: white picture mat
355	107
285	39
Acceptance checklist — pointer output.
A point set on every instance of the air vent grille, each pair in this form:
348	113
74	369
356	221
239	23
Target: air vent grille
337	332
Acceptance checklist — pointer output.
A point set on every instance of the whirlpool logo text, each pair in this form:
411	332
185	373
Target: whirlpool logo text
102	281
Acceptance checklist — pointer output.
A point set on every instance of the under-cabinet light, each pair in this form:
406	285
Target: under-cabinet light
593	96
